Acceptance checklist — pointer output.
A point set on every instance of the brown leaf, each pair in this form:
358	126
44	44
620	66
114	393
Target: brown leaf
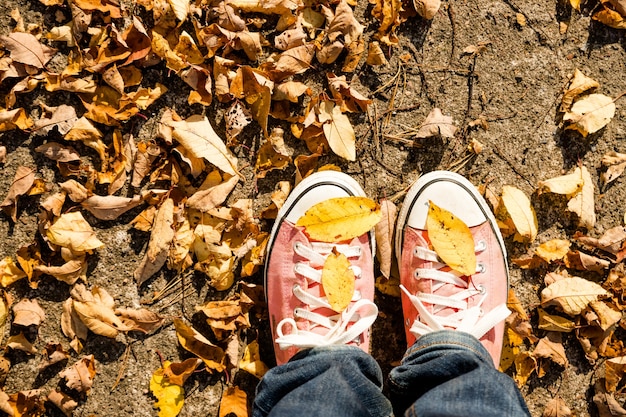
551	347
84	131
234	402
72	326
159	244
80	375
25	48
75	190
28	313
110	207
607	405
178	372
556	407
70	272
584	262
572	295
436	124
278	197
579	84
63	402
554	323
142	319
95	310
52	353
58	152
72	231
62	117
194	342
22	182
384	231
212	193
272	154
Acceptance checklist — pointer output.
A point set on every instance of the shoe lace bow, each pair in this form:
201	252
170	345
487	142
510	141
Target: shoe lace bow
330	329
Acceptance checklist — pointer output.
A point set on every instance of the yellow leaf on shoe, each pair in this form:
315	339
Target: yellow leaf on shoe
170	397
572	295
338	281
522	213
340	219
452	239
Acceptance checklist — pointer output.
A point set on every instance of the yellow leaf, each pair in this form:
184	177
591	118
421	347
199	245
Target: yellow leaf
451	239
251	361
234	402
582	203
338	131
553	250
10	272
554	323
610	18
578	85
572	294
170	397
522	213
525	365
564	184
590	114
72	231
340	219
178	372
338	281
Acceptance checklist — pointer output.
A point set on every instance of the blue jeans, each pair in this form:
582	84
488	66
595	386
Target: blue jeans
445	373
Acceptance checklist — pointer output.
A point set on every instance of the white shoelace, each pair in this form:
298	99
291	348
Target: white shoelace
342	328
469	320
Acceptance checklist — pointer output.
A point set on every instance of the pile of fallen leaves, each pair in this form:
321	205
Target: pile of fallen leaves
182	176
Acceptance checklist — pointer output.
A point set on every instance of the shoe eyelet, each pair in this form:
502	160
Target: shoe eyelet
481	268
416	274
482	289
296	246
481	246
295	288
415	252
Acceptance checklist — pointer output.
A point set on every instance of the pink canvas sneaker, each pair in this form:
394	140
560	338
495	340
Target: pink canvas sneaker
300	315
433	296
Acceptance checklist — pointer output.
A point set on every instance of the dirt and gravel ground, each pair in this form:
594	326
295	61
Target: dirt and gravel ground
514	85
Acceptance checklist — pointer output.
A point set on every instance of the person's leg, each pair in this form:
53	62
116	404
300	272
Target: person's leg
323	381
322	348
454	313
450	373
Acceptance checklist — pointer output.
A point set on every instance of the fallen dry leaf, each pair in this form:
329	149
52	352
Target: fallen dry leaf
554	323
572	295
614	372
20	342
384	232
110	207
28	313
234	402
95	309
451	239
590	114
10	272
436	124
178	372
25	48
63	402
170	397
579	84
252	362
52	353
582	202
427	8
607	404
556	407
565	184
338	281
522	213
338	130
553	250
159	244
340	219
551	347
72	231
212	356
22	183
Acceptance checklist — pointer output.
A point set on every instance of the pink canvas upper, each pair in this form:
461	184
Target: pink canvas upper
281	278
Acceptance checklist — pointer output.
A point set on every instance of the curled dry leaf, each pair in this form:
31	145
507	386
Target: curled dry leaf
63	402
213	192
28	313
212	355
10	272
556	407
339	219
590	114
159	244
551	347
278	197
384	231
553	250
95	310
80	375
579	84
72	231
338	130
110	207
52	353
142	319
615	164
178	372
20	342
427	8
572	295
436	124
582	202
565	184
522	213
62	117
554	323
22	183
234	402
585	262
615	368
58	152
607	404
70	272
72	326
75	190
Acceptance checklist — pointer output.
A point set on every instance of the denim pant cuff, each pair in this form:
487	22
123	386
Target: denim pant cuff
446	338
